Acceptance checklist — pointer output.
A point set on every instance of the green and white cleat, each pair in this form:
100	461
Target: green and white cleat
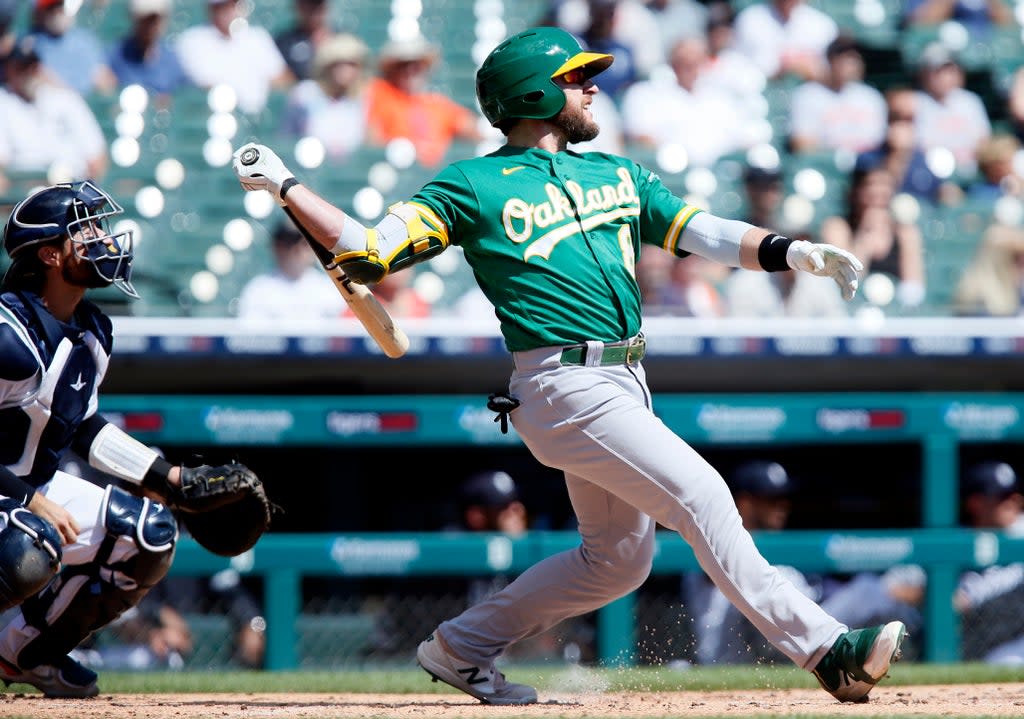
860	659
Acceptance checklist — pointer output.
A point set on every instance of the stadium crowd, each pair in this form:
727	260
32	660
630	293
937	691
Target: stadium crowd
885	132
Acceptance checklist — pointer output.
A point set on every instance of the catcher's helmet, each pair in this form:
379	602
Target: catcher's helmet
516	79
79	210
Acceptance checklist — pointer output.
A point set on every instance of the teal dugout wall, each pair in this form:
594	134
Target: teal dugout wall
939	422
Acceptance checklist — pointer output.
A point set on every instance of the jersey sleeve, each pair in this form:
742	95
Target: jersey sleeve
448	199
663	215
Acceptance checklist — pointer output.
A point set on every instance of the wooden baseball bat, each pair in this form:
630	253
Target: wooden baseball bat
367	309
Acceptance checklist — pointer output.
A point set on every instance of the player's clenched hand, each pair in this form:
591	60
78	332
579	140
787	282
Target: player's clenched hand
259	168
826	261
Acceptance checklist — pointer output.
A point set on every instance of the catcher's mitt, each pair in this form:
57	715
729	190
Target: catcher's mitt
225	508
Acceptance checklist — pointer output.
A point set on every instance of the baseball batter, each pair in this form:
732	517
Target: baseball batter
553	238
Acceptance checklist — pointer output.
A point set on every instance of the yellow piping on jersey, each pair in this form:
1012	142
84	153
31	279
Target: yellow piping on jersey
682	219
545	244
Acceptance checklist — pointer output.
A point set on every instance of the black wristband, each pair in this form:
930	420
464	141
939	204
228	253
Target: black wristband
156	476
772	253
287	185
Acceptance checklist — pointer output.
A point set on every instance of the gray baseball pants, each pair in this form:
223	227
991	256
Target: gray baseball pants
625	472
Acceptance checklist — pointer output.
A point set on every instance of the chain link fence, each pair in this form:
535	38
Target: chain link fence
356	624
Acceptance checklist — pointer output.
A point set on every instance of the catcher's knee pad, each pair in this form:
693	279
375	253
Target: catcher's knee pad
134	555
29	553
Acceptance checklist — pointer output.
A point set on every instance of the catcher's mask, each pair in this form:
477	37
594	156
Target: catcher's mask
79	211
517	78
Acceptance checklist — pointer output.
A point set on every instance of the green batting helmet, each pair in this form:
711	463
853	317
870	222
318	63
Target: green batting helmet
516	79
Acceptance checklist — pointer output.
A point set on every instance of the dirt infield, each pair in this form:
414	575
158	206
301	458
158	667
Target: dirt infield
953	701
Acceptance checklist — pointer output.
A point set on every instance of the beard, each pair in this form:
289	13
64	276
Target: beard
577	125
83	274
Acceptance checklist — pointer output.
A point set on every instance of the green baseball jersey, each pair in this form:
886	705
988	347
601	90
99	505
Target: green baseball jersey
553	238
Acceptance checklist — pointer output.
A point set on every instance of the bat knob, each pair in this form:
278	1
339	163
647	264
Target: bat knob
250	156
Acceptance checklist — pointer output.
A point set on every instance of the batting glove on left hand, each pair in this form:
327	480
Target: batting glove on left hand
265	172
826	261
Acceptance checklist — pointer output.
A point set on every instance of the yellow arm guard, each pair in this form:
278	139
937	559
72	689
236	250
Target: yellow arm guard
408	234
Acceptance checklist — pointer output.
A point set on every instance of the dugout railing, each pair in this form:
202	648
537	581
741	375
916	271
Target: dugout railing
940	423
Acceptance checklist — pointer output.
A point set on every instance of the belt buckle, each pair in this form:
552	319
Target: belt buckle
639	344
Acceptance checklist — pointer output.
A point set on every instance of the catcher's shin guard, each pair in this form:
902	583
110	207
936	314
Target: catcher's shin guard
29	553
135	554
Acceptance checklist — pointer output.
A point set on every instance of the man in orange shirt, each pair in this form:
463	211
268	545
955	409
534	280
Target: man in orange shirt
399	105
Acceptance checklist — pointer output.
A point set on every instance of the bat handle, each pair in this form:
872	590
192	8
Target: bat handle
250	156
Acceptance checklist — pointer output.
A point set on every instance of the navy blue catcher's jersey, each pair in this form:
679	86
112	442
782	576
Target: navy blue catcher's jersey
49	376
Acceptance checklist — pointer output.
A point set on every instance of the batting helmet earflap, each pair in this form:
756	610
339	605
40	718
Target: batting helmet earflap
516	79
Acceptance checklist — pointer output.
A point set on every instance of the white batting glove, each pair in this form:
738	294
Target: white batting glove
826	261
259	168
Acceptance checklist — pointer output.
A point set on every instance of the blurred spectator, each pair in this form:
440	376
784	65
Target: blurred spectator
331	107
842	112
729	70
646	28
143	57
678	19
900	155
763	491
300	43
782	294
776	294
400	105
887	245
679	287
996	176
785	37
489	502
949	115
157	635
73	54
46	126
295	288
978	16
993	283
764	192
238	54
990	599
599	36
705	121
400	296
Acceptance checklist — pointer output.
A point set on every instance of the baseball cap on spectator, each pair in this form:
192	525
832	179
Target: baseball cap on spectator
46	4
407	50
343	47
842	44
489	489
935	56
720	14
286	234
992	479
143	8
762	176
24	52
762	479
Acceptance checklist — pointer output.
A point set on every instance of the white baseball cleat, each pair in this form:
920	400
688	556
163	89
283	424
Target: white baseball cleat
484	683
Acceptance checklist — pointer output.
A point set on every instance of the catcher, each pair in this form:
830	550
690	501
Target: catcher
74	555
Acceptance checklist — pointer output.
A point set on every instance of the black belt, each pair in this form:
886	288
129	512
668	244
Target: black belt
627	352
